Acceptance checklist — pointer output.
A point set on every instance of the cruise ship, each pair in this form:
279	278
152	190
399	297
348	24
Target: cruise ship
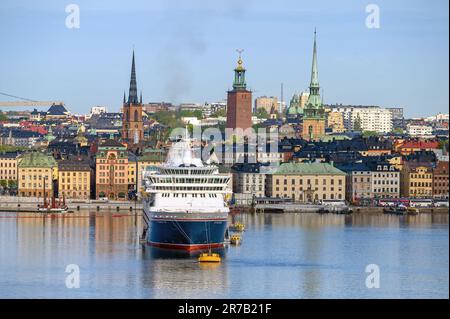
184	206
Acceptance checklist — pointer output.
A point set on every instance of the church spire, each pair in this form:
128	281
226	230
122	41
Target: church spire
132	95
124	97
314	73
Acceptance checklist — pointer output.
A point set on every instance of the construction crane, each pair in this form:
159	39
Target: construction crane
26	102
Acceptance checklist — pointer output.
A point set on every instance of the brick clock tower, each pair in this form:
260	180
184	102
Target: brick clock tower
132	128
239	101
314	113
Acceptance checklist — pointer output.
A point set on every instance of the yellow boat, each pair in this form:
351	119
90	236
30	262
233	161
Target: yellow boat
235	239
209	258
412	211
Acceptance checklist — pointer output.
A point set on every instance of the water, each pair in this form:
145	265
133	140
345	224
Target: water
282	256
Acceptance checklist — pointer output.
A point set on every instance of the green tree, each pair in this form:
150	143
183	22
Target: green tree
197	113
262	113
369	133
3	117
398	130
357	126
219	113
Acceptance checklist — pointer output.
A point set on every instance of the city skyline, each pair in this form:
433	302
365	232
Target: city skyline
192	58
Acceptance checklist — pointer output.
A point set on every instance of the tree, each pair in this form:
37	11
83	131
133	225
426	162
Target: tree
219	113
369	133
3	117
197	113
262	113
357	124
398	130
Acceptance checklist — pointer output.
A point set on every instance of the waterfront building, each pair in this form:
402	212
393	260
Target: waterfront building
249	179
132	125
385	178
358	182
239	101
34	169
440	180
417	180
314	113
74	179
8	166
306	182
111	169
266	103
132	171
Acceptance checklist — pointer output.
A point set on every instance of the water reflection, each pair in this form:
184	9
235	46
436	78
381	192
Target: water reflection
282	256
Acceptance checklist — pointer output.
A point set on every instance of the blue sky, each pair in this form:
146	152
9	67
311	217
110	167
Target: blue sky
185	51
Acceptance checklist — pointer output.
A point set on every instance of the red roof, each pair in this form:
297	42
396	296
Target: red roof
421	144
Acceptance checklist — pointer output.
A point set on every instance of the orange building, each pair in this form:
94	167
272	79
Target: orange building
111	176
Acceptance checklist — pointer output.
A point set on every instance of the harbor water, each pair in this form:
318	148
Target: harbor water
302	255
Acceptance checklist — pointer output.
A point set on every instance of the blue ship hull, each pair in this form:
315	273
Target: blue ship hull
187	234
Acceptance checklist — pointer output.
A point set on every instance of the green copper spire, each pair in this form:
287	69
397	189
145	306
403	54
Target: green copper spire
314	74
313	107
239	75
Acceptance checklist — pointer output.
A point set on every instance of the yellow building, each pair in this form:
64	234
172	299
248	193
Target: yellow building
266	103
307	182
335	121
416	180
132	172
36	172
8	166
74	179
149	159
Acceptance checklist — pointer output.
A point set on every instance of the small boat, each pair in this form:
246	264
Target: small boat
209	258
398	210
235	239
53	206
56	210
412	211
237	227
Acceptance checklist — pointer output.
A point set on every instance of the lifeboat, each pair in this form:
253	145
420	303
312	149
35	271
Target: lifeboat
209	258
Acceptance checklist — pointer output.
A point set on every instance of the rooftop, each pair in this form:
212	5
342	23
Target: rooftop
307	169
37	159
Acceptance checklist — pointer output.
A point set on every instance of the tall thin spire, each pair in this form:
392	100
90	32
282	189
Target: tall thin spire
140	98
124	97
314	72
132	95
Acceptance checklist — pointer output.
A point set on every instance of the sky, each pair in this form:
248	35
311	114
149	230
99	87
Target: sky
186	51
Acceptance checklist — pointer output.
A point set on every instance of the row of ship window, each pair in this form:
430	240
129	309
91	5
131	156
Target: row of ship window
176	195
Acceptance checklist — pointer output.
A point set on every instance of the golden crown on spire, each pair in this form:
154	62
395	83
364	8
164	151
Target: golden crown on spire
240	63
